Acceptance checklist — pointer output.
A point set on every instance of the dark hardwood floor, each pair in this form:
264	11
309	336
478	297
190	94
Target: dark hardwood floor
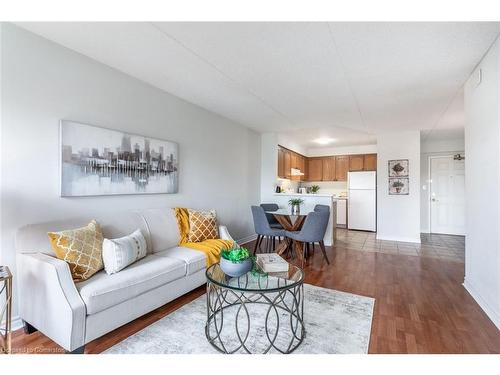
421	305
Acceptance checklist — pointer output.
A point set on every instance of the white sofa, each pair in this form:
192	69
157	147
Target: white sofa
74	314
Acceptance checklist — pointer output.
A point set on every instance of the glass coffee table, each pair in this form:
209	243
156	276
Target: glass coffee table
256	312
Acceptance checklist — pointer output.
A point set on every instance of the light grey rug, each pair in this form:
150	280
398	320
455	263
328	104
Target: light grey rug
336	322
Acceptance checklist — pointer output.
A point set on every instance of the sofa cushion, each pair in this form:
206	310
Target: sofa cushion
81	248
194	260
202	225
163	228
118	253
103	291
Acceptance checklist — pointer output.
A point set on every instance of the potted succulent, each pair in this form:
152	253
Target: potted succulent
295	203
398	185
314	189
236	261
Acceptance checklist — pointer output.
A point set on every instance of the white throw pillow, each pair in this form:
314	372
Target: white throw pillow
118	253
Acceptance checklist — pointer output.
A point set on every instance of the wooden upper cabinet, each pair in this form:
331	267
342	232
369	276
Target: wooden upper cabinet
356	163
315	169
302	167
370	162
287	163
281	163
328	168
287	160
294	159
341	168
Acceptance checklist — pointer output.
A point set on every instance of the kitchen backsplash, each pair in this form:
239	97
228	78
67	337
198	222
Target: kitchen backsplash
328	187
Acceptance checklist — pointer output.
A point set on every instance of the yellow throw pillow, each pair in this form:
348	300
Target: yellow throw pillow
81	248
202	225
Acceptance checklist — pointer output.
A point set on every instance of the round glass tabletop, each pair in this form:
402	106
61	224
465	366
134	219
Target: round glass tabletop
255	281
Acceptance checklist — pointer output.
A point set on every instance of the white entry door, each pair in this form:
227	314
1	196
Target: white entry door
447	195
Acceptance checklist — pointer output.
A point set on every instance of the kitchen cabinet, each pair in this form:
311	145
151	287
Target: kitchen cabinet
315	169
287	160
356	163
328	166
325	168
341	168
281	163
303	167
342	212
287	163
370	162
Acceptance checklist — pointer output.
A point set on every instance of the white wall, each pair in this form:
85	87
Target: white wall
482	181
290	144
347	150
269	166
444	145
398	216
43	82
328	187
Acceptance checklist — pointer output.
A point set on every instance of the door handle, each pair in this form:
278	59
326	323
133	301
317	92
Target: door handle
434	200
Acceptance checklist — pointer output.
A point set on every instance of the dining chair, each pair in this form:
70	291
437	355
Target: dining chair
264	230
312	231
321	207
270	217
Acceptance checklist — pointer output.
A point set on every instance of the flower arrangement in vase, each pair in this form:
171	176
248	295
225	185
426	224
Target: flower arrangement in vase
295	203
236	261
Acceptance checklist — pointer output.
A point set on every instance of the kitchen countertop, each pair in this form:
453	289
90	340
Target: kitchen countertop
310	195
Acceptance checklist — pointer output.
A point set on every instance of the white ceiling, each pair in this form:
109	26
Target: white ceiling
346	81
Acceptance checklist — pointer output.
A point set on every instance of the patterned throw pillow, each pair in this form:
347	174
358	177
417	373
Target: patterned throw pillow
81	248
202	225
121	252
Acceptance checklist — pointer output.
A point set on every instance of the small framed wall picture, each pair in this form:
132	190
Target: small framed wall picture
398	168
399	186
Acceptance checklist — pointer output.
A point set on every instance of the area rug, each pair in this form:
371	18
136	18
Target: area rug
335	322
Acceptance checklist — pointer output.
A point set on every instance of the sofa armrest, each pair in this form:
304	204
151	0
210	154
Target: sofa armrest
224	233
49	300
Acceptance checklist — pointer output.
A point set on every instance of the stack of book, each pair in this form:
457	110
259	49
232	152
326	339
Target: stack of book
272	263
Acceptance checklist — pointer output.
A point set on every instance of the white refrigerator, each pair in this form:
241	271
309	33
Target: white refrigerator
362	201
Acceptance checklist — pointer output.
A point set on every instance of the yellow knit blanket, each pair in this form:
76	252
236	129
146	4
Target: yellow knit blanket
211	248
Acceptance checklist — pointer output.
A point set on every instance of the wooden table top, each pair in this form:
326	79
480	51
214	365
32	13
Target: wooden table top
287	212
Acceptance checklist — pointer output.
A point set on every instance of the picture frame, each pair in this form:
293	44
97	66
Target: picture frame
398	168
97	161
399	186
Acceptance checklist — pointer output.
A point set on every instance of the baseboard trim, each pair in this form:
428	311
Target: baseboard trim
400	239
247	239
485	306
17	323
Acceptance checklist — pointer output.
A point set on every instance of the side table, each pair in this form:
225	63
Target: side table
6	309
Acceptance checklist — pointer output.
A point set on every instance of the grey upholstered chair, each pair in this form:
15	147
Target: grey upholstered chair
321	207
264	230
270	217
312	231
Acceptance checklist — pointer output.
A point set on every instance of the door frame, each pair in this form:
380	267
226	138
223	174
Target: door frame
429	178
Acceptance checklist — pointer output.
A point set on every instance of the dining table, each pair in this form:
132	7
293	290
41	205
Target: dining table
292	223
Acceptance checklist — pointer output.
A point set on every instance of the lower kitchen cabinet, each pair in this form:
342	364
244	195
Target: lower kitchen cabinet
342	212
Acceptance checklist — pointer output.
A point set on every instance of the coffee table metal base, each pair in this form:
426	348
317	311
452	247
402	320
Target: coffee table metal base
284	308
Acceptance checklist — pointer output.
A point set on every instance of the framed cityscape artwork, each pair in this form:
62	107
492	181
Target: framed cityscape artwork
398	168
99	161
399	186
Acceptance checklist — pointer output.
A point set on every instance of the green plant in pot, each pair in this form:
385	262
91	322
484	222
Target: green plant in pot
314	189
236	261
295	203
398	185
